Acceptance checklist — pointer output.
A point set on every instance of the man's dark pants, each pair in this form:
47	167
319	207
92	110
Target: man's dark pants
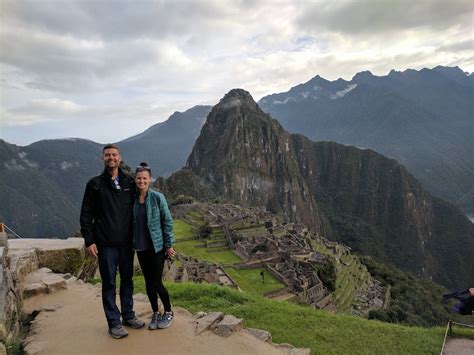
111	259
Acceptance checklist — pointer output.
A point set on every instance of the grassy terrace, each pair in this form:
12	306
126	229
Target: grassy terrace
188	244
249	280
302	326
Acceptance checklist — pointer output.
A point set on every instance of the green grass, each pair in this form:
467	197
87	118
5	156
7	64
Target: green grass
184	230
302	326
189	248
249	280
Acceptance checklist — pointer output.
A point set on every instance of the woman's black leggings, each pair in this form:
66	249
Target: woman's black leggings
152	267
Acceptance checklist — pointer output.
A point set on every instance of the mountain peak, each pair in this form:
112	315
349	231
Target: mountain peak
363	76
236	97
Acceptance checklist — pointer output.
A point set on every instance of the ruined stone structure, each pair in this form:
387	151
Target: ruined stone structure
303	281
198	271
287	250
9	295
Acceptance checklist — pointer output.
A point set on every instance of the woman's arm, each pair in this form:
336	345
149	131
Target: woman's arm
166	222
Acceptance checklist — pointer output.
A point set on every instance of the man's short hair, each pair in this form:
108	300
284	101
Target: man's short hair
110	146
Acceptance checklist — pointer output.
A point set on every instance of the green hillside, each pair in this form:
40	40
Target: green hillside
323	332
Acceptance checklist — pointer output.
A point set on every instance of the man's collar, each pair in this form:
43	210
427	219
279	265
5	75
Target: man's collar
108	176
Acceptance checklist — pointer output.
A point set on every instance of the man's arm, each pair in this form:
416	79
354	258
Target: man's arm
87	216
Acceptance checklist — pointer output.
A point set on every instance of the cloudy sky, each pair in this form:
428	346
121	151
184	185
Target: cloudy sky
105	70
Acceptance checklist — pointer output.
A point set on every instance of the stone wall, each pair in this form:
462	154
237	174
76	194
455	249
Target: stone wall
10	303
21	257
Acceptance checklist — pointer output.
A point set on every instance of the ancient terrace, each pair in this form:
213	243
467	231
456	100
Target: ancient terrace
287	251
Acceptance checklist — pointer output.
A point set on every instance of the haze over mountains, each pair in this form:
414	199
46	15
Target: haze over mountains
424	119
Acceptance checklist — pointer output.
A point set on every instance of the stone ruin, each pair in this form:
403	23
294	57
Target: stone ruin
198	271
260	238
284	249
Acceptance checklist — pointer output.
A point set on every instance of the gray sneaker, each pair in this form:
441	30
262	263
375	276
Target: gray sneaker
134	323
154	321
166	320
118	332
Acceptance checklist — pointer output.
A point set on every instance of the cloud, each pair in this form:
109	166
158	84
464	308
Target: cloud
127	65
370	17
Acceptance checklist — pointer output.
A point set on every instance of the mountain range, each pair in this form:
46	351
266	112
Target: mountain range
350	195
424	119
42	184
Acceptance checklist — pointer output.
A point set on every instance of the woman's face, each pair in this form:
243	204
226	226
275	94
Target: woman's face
142	180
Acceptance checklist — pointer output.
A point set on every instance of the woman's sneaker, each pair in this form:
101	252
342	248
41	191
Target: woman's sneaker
166	320
154	321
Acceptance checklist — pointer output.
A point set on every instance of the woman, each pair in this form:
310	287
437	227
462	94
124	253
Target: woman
153	239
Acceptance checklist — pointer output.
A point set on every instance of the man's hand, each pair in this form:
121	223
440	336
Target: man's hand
170	252
93	249
471	291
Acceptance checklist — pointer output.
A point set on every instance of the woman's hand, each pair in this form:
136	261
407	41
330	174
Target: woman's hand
170	252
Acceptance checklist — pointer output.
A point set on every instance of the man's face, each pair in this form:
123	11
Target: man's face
111	158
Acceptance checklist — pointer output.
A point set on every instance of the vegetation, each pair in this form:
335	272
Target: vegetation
304	326
412	301
250	280
327	274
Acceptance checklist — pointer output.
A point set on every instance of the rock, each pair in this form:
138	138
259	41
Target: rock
227	326
51	307
199	315
284	346
300	351
261	334
34	347
3	350
54	283
61	260
34	289
71	280
207	321
3	331
45	270
88	268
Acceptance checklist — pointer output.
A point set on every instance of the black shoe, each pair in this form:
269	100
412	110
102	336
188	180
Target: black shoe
118	332
134	323
166	320
154	321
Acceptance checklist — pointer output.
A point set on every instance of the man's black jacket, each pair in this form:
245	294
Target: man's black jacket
106	213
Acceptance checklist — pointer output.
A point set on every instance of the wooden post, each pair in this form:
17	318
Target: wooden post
2	228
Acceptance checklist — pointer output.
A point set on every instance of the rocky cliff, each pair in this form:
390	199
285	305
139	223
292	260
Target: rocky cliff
354	196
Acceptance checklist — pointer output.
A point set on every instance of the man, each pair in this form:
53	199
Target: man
106	225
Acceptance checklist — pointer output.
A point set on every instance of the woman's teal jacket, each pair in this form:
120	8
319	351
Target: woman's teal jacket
160	222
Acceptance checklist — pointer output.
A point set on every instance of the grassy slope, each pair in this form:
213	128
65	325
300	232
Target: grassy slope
196	248
303	326
249	280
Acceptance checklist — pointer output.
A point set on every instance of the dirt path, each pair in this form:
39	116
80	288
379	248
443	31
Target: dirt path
459	347
78	326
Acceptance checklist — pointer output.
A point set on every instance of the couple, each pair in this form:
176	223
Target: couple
121	215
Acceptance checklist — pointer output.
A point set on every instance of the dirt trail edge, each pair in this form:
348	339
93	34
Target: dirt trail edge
71	321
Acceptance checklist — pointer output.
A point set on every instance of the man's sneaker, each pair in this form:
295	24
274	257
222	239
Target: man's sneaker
134	323
118	332
154	321
166	320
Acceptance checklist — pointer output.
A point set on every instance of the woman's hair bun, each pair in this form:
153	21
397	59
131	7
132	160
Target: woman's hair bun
144	164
